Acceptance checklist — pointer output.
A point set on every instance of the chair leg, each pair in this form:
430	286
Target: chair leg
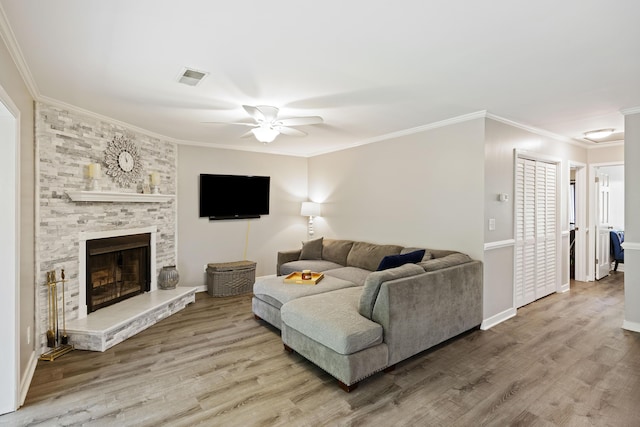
615	267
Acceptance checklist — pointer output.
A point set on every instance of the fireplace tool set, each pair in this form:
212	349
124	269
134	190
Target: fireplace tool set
58	341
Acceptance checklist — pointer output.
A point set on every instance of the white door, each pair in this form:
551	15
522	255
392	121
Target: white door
525	274
536	230
546	233
603	265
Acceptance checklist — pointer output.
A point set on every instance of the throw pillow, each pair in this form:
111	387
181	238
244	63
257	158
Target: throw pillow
392	261
311	249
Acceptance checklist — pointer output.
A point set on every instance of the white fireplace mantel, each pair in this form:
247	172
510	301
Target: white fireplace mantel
114	196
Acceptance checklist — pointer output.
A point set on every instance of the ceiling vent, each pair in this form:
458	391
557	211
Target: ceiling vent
191	77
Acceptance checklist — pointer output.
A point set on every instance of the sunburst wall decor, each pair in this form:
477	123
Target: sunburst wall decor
123	161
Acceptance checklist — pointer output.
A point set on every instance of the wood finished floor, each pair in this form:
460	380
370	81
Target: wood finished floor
563	360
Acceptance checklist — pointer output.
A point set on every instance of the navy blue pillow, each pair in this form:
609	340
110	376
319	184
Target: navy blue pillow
392	261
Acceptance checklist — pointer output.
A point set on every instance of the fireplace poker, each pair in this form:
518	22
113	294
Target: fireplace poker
65	338
55	306
51	337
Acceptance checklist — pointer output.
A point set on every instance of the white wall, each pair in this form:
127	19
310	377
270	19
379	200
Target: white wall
632	225
606	154
501	141
12	83
424	189
201	241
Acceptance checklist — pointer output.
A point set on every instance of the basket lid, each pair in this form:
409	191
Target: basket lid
227	266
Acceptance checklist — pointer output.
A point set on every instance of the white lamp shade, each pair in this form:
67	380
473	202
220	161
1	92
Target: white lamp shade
310	209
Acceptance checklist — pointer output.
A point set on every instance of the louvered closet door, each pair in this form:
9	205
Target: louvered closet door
547	283
535	258
525	232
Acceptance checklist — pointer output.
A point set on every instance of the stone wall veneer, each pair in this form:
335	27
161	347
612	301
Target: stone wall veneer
66	143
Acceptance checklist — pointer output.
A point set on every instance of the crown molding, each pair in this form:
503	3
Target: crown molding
628	111
410	131
537	131
236	148
6	33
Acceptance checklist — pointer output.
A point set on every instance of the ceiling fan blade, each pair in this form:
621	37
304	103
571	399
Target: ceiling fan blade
247	134
290	131
300	121
254	112
233	123
269	113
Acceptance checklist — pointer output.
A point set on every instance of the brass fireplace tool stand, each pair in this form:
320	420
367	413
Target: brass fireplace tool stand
59	343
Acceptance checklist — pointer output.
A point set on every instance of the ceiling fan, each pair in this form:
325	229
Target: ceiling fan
268	126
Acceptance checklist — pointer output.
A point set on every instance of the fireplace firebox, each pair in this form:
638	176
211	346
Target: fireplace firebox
117	268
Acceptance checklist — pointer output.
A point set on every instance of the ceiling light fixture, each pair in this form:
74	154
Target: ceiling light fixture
598	134
265	133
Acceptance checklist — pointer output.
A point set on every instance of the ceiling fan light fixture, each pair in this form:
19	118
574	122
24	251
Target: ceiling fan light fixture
598	134
265	134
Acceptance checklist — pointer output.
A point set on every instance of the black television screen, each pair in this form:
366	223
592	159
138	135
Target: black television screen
234	196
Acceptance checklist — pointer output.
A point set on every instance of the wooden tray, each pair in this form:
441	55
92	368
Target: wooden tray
296	278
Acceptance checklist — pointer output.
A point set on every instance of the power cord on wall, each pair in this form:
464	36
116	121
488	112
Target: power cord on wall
246	240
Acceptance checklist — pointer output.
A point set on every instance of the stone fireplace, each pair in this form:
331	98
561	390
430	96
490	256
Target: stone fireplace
67	142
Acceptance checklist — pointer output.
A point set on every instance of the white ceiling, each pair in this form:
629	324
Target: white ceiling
368	67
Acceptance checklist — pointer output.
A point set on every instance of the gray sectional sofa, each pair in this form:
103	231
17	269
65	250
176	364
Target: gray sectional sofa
358	321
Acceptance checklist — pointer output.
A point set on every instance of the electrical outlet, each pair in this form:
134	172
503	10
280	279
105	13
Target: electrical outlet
28	334
492	224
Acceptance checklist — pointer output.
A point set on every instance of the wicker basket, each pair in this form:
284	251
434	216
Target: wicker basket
230	278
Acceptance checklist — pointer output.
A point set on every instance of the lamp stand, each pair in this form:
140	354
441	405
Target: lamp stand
310	226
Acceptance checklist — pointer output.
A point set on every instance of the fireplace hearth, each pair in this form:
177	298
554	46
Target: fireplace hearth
117	268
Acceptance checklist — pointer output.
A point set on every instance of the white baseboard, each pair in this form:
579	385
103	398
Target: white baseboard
498	318
564	288
25	382
631	326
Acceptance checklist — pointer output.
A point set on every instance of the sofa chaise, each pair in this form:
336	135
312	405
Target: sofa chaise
376	306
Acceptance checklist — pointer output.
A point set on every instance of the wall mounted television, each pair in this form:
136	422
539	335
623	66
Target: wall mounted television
233	196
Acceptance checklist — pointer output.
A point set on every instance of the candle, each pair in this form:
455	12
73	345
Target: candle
154	178
94	170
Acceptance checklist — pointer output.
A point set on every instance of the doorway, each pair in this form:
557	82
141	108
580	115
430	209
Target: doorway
9	253
578	227
606	213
